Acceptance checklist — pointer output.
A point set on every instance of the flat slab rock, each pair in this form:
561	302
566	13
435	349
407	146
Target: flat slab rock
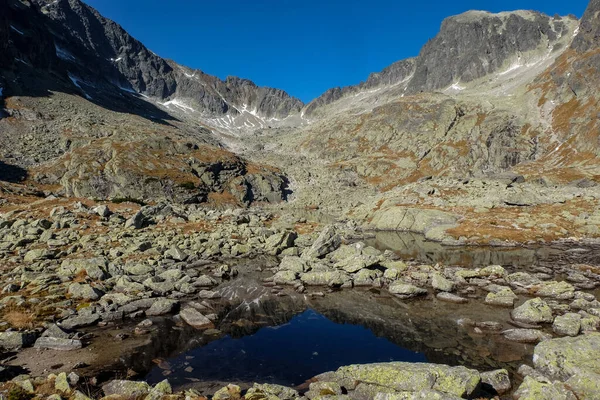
455	382
195	319
451	298
54	343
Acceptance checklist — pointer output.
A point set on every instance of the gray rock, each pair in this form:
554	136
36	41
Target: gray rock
567	325
139	269
442	284
162	306
285	277
498	379
328	241
55	331
525	335
295	264
280	241
451	298
84	292
533	311
102	210
80	321
504	297
126	389
176	253
16	340
137	221
405	290
195	319
54	343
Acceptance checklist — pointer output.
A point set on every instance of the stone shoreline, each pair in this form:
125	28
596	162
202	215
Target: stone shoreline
68	266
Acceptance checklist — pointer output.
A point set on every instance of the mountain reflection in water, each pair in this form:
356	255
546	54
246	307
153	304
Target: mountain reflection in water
289	354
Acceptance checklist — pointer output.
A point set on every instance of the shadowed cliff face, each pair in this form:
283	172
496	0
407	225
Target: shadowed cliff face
69	113
474	44
99	50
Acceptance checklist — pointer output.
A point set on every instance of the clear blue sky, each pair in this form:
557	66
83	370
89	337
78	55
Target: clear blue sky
302	46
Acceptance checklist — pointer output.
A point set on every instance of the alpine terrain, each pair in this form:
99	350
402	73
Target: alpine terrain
449	203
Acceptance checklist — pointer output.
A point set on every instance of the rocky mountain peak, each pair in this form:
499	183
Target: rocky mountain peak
477	43
100	52
588	36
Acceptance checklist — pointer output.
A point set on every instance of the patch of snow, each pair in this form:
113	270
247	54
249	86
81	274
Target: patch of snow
22	61
179	104
576	32
76	81
457	87
511	68
127	89
64	54
16	30
116	60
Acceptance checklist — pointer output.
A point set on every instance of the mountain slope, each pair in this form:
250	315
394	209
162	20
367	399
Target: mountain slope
72	117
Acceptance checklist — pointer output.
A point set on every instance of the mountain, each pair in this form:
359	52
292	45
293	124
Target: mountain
496	111
89	108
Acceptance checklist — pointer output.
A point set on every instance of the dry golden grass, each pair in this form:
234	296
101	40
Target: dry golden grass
20	319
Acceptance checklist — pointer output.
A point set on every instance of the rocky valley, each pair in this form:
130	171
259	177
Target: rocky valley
430	233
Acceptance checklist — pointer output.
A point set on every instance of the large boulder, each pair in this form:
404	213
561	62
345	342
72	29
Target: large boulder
415	220
566	357
410	377
295	264
16	340
533	311
332	278
84	292
126	389
328	241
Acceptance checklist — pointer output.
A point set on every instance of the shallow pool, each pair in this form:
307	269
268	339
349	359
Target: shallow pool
289	354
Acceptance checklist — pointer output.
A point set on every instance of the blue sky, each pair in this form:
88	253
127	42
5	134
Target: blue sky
304	47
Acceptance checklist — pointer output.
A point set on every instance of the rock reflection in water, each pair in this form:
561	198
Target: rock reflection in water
431	327
414	246
287	354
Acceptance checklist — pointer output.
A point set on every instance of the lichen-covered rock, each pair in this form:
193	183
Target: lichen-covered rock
84	292
16	340
285	277
413	377
565	357
126	389
532	312
329	240
531	389
318	390
229	392
162	306
558	290
62	384
295	264
504	297
498	379
332	278
567	325
405	290
281	392
442	284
